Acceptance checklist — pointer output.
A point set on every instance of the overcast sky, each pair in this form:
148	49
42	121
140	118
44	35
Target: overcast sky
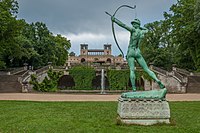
85	21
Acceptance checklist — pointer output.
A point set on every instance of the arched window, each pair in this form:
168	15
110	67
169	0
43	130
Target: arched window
66	82
96	83
82	60
108	60
96	59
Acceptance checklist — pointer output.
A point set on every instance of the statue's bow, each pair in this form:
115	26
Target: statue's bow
113	29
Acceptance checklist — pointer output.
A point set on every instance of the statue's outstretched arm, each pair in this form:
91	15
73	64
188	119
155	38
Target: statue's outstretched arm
144	29
122	24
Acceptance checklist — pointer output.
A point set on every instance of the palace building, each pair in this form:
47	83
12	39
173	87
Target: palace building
101	57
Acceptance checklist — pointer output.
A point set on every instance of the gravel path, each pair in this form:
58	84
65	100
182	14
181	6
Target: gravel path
84	97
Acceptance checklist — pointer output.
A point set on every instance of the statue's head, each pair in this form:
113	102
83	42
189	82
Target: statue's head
136	22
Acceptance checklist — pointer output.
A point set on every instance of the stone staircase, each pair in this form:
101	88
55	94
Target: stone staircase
18	80
178	80
9	83
193	84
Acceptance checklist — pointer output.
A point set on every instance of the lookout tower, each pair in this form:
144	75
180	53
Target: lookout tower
84	49
107	49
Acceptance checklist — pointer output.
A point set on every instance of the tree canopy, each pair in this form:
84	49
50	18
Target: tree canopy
33	43
176	39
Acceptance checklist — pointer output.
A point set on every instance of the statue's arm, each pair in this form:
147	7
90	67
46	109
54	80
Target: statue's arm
122	24
144	30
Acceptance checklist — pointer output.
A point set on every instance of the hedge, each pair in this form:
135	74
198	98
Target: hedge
83	77
119	79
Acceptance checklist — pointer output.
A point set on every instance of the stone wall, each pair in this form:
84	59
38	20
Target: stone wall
171	83
193	84
10	83
174	81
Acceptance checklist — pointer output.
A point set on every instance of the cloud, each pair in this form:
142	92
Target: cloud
93	40
85	21
86	36
96	41
75	16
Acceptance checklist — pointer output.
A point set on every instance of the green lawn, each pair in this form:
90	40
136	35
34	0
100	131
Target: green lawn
87	117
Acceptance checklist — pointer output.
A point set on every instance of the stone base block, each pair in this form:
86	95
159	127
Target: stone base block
143	111
144	121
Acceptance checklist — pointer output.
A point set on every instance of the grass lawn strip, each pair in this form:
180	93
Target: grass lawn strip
73	117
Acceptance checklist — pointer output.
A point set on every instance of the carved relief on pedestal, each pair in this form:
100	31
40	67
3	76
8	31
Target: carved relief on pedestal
143	109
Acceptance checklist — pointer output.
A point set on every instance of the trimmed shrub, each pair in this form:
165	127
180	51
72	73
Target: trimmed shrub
83	77
119	79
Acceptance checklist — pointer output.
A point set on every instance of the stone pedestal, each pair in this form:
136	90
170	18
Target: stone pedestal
143	111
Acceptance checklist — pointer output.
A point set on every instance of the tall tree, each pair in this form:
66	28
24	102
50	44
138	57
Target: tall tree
157	45
177	38
186	36
197	15
10	29
21	42
46	46
62	46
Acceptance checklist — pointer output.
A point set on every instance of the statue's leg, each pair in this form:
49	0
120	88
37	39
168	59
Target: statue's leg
143	64
131	64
